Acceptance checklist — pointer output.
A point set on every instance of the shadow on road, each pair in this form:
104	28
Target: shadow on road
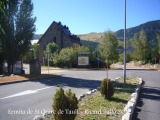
70	82
152	93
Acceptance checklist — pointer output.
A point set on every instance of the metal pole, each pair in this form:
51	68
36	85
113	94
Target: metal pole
48	63
98	58
107	69
125	42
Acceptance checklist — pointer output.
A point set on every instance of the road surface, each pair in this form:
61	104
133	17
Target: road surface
22	101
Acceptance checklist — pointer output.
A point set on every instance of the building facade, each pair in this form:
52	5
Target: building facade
59	34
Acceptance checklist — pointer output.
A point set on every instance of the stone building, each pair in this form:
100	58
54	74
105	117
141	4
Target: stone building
59	34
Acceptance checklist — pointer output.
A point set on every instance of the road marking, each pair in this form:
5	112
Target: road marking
26	92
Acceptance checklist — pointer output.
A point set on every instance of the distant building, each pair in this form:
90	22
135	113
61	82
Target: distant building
59	34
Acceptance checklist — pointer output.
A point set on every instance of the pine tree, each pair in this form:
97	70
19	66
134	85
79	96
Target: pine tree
25	27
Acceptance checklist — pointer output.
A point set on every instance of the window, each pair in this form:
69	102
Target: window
54	39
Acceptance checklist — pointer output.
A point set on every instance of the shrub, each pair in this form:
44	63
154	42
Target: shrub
65	105
73	104
59	105
107	89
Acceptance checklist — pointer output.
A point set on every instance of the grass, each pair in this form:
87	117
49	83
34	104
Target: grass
95	107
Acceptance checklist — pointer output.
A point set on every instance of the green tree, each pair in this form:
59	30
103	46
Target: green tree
158	38
25	28
154	53
8	10
145	46
142	49
107	48
35	48
121	57
1	63
51	50
16	29
28	56
32	53
68	56
137	55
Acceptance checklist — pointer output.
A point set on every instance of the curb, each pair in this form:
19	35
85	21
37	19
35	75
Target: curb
94	90
129	108
47	115
32	79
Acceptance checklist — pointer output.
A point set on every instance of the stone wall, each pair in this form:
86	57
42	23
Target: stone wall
60	35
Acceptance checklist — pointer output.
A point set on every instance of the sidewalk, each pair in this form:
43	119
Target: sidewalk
23	78
148	105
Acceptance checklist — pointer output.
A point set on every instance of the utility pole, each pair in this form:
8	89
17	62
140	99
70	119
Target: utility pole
125	41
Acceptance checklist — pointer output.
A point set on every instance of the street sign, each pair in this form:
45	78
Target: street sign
130	49
120	49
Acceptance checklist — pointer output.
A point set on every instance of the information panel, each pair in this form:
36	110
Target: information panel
83	60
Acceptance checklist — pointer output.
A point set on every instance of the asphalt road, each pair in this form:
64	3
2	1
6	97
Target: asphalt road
148	107
22	101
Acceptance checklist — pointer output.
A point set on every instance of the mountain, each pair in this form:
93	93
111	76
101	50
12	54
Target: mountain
37	36
92	39
91	36
151	29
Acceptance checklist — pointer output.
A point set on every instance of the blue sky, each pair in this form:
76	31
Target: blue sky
86	16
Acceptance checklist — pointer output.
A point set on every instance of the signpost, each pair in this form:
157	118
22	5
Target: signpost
48	62
83	59
120	49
